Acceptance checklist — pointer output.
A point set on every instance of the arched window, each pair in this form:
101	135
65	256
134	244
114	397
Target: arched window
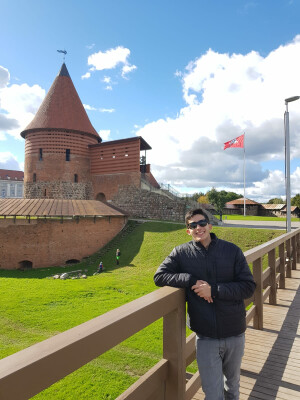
25	264
101	197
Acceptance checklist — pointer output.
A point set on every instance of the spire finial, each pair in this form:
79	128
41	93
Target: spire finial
64	53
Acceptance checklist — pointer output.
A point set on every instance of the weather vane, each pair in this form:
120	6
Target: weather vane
64	53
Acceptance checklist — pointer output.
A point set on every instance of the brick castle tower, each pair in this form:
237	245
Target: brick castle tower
57	163
65	157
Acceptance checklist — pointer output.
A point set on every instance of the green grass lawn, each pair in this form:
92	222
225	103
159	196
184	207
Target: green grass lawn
34	307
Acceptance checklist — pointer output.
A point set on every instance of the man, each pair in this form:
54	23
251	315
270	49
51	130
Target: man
217	279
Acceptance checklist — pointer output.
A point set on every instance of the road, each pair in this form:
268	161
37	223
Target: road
259	224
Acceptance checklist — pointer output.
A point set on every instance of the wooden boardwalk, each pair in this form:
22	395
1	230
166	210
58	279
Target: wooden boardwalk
271	364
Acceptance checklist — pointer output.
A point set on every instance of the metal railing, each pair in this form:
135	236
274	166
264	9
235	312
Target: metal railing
28	372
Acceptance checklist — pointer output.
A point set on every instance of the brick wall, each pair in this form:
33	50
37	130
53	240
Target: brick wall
48	243
109	184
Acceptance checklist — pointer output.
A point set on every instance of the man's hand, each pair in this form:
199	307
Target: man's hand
203	289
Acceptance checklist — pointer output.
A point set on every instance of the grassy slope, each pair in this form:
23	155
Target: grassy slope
33	308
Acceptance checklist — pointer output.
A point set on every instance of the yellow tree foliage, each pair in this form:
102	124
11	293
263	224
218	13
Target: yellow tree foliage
203	199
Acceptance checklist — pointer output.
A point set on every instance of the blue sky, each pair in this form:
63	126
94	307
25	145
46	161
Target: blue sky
185	75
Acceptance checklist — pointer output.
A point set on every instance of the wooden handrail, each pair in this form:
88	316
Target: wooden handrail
44	363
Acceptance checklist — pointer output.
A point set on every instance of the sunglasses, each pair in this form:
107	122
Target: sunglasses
201	223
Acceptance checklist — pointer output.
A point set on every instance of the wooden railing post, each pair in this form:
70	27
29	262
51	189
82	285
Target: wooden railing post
174	339
282	266
288	258
272	261
258	294
294	253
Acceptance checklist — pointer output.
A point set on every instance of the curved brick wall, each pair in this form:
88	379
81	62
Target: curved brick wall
55	177
48	243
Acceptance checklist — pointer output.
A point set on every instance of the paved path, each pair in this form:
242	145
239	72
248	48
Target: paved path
259	224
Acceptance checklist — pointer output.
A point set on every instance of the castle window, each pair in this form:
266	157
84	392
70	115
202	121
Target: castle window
45	193
114	154
75	178
34	177
68	152
41	155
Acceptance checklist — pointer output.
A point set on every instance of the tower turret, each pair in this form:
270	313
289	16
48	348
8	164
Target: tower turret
57	163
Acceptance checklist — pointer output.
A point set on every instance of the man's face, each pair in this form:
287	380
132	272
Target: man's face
200	233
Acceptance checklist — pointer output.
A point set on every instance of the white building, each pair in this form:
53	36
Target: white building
11	183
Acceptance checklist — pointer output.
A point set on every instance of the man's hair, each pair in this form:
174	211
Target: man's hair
191	213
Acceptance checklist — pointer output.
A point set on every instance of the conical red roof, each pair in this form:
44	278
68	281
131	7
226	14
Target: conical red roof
62	108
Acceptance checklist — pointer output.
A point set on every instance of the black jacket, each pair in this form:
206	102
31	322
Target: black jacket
224	267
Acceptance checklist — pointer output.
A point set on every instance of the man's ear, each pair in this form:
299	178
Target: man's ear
188	231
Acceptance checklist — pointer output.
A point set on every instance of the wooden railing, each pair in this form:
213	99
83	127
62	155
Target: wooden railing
28	372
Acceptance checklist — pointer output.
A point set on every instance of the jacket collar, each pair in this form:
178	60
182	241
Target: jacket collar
212	243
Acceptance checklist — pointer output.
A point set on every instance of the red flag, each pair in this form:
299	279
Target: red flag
237	142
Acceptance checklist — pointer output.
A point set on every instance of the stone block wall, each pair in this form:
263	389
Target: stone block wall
146	204
58	190
46	243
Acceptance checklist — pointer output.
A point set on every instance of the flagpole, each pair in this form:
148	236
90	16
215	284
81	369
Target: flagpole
244	178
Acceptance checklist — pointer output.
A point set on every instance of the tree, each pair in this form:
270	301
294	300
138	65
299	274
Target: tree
276	200
232	196
196	196
218	199
203	199
295	201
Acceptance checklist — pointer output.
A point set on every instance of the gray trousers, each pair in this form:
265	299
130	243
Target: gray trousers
219	363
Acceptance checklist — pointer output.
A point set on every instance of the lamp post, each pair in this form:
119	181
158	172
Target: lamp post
287	162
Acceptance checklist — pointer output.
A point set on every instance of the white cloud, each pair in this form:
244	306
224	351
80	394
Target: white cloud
110	59
106	79
107	110
86	76
9	161
104	134
19	104
226	95
4	77
127	69
89	108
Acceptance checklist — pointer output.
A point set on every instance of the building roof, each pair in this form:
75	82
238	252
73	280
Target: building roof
57	208
273	206
8	174
62	109
241	201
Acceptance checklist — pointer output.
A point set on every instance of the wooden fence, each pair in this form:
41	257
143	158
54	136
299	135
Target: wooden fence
28	372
